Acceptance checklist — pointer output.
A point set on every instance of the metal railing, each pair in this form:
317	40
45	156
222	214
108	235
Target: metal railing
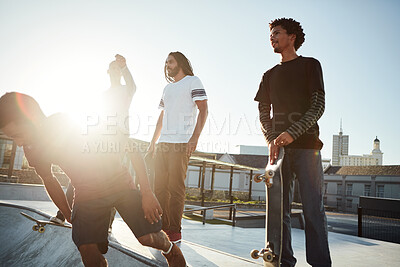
204	211
379	219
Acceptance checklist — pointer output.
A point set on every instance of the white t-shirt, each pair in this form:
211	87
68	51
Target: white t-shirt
180	109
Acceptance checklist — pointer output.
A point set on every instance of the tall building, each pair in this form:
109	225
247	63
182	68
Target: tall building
340	146
341	157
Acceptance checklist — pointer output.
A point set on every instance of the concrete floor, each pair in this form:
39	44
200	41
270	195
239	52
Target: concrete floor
20	246
55	246
223	245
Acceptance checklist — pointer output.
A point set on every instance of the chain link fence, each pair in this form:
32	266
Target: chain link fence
379	219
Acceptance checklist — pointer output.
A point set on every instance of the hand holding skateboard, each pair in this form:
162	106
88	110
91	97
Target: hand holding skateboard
282	140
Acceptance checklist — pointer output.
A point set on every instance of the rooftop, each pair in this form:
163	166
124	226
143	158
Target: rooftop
383	170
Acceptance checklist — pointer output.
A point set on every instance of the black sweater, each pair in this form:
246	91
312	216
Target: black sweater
295	92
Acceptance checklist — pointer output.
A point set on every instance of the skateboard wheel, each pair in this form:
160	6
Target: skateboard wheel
270	174
268	256
35	228
41	229
254	254
258	178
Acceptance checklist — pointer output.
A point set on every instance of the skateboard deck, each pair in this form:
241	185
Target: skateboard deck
272	177
40	224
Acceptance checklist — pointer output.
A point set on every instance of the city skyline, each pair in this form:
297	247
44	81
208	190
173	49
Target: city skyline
59	53
341	156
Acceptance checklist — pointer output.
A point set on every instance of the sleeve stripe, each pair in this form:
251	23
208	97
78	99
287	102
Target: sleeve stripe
310	117
161	103
198	93
266	122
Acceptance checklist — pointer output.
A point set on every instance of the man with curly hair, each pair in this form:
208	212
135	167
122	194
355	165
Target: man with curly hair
294	91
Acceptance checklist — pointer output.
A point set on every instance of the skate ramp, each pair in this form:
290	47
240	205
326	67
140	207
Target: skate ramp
21	246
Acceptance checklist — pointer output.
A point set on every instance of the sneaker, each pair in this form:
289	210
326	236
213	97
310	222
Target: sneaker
56	220
174	237
175	257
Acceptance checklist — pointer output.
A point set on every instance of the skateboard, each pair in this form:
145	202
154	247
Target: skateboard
272	177
40	224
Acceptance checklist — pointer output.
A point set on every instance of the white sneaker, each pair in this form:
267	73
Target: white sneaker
56	220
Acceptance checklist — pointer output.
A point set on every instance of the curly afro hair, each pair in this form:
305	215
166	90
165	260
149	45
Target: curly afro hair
292	27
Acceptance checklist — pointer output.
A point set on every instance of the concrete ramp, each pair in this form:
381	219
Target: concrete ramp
21	246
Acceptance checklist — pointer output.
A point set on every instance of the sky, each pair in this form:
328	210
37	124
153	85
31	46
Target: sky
59	51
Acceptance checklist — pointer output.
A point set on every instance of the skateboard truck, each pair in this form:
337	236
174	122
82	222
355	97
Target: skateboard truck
267	178
265	253
38	228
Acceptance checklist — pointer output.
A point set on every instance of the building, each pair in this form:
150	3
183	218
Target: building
341	157
344	185
6	147
253	150
375	158
241	178
252	156
326	163
340	147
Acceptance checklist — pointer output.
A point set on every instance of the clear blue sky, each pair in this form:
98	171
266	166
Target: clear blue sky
58	52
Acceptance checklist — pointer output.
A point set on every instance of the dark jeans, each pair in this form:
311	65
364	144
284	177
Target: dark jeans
306	166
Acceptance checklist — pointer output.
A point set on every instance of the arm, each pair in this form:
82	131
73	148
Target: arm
309	118
268	130
267	124
201	121
54	190
266	121
156	135
151	208
130	84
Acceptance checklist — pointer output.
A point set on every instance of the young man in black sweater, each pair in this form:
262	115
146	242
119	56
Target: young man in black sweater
294	90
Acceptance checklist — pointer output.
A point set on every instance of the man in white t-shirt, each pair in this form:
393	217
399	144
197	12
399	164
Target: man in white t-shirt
178	132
